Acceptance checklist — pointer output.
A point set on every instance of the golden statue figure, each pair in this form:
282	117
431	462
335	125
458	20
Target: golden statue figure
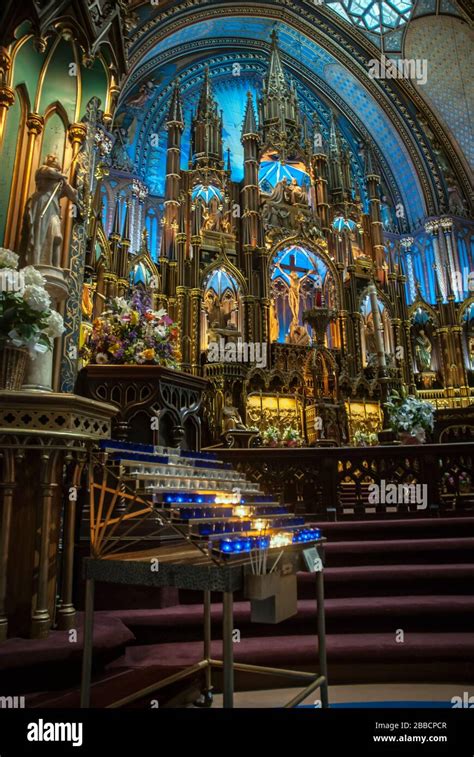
274	324
294	289
298	335
87	305
226	225
208	220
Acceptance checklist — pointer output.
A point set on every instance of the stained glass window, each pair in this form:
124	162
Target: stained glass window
151	223
374	15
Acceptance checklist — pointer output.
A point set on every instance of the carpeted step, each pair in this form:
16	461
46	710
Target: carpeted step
391	580
352	658
295	651
57	660
399	528
376	581
347	615
400	551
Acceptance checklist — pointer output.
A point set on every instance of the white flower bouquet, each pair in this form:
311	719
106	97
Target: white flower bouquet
26	317
410	415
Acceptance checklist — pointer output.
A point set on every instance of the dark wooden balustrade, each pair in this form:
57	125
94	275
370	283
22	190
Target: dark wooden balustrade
333	482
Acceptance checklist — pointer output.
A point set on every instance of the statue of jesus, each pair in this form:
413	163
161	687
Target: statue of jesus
294	288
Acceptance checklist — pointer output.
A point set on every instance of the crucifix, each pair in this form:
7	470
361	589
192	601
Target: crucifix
294	285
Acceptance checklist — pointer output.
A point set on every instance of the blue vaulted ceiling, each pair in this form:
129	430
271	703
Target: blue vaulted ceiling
236	49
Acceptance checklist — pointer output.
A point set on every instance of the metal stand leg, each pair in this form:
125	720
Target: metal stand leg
323	668
88	644
228	650
207	637
205	700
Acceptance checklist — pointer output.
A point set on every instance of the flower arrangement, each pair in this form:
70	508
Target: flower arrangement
365	438
131	333
273	437
26	317
410	415
463	481
291	437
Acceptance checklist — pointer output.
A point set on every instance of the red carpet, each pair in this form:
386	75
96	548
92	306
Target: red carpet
382	577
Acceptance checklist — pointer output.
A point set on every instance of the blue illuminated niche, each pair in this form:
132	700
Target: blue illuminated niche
366	306
273	171
220	281
200	192
421	317
340	224
312	273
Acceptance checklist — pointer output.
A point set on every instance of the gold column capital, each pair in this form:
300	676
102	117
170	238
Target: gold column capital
35	123
77	132
7	96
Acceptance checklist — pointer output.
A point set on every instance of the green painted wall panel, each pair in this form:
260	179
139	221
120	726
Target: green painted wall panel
58	84
27	68
94	84
54	138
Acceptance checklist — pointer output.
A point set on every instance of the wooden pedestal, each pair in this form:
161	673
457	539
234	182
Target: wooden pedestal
40	434
154	405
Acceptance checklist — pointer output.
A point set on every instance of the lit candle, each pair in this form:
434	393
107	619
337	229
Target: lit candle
241	511
281	539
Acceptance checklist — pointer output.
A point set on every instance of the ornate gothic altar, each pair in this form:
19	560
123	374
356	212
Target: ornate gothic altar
284	284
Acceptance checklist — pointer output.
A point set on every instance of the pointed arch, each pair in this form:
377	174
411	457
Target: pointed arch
223	262
422	305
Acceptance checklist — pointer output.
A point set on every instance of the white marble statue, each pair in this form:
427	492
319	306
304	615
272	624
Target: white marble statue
42	238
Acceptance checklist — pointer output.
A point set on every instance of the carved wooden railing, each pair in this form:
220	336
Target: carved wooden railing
335	482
